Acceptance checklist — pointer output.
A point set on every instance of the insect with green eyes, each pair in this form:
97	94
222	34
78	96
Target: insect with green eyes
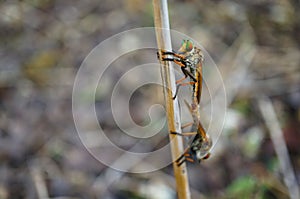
190	59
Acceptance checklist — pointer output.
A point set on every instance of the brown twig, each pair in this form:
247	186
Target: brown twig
39	182
163	38
267	110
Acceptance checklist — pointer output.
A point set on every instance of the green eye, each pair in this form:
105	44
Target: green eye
189	45
183	42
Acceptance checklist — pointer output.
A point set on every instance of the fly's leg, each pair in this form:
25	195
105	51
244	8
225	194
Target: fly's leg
179	85
188	73
187	125
179	60
184	134
176	61
183	64
178	82
183	68
180	160
184	157
173	53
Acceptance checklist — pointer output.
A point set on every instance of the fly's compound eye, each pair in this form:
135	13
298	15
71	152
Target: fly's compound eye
189	45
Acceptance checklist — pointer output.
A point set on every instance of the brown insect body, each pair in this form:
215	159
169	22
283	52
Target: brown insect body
194	60
201	144
190	59
199	148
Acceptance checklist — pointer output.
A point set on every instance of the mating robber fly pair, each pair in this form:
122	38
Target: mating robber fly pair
190	60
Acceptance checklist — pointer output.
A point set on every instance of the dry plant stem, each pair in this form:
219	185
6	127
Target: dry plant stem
39	182
163	38
269	115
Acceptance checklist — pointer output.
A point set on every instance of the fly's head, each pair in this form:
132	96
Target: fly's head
186	47
201	148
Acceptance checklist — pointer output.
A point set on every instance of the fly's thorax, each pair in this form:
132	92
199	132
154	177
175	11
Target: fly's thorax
199	54
195	57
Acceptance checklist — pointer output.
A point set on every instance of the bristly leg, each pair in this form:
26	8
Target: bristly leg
183	63
179	85
180	160
176	92
184	157
183	134
175	133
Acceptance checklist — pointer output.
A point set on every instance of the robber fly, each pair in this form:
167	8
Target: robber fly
199	148
190	59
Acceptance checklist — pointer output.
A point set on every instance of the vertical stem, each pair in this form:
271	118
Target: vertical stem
163	38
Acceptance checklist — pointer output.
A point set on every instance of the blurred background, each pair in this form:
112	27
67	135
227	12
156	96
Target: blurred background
43	44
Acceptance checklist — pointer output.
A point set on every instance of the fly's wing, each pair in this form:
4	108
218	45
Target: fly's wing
197	59
200	133
198	84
